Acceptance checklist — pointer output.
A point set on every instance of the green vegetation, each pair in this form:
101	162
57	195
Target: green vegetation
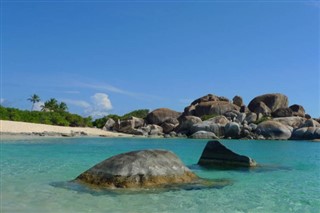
141	113
53	105
60	118
207	117
56	113
264	118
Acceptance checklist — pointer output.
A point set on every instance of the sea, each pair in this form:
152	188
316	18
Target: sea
36	176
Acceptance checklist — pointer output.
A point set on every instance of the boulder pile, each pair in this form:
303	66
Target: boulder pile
267	116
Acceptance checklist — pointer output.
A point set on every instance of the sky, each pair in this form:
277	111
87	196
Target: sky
112	57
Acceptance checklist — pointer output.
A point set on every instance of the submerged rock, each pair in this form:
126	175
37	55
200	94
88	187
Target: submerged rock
138	169
203	135
216	154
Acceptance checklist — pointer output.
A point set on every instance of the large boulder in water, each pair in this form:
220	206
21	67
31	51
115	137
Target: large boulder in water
217	155
161	115
272	101
138	169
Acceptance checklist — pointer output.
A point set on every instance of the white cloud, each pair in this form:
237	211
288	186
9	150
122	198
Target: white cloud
101	101
79	103
1	100
110	88
99	106
37	106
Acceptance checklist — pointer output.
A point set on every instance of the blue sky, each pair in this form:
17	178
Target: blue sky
117	56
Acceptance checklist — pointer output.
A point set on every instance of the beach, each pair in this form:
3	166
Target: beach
14	129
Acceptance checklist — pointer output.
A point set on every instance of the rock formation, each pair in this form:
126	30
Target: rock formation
266	117
203	135
274	130
272	101
138	169
217	155
297	110
210	105
161	115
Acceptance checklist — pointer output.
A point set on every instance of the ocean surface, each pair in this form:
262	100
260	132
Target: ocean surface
35	175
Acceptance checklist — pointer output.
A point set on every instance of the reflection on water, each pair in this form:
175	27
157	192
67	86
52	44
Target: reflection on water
258	168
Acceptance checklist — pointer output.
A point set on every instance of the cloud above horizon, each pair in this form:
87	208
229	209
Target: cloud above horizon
79	103
100	105
2	100
110	88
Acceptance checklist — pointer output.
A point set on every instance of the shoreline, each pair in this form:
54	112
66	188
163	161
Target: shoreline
17	130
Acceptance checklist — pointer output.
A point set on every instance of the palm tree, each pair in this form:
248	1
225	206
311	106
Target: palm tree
50	105
63	107
34	99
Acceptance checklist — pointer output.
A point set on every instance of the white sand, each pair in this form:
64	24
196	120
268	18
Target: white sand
14	127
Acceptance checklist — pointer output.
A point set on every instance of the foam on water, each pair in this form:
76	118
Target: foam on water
35	177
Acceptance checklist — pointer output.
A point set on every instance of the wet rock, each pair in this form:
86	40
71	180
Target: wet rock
216	154
138	169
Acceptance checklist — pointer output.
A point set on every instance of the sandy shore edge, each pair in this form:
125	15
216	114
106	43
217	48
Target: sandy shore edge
15	130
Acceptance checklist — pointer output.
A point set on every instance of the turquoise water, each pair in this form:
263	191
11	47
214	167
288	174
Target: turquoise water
33	170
